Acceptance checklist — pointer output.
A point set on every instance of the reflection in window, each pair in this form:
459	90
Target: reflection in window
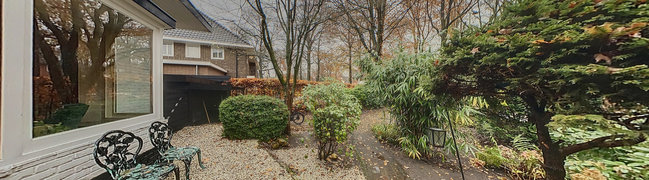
92	65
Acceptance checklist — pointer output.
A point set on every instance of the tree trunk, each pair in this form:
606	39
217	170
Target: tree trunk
288	99
350	63
308	61
553	159
317	76
53	66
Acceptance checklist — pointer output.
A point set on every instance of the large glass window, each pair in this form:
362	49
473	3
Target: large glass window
91	65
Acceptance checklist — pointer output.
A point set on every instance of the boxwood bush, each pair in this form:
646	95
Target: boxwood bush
253	117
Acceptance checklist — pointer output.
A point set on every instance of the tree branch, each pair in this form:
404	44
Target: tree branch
602	142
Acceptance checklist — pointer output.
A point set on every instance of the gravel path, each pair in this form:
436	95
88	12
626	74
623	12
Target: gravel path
244	159
381	161
226	159
306	165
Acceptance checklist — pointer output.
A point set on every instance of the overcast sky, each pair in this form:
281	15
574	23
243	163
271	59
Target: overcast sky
223	11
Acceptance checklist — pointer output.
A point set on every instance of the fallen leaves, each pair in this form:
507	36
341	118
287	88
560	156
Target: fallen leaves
542	41
612	70
601	57
633	30
475	50
505	31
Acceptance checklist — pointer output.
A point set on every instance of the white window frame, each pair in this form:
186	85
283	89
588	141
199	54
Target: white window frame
22	147
167	48
192	53
216	48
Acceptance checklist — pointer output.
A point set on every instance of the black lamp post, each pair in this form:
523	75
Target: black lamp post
437	138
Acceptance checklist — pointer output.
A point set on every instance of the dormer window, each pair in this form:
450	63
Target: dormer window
167	48
218	53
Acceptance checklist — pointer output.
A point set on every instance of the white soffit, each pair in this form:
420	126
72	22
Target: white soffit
186	15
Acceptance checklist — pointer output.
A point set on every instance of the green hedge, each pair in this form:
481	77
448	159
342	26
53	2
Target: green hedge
253	117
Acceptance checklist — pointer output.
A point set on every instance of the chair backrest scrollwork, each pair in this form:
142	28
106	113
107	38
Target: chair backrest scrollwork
160	135
113	151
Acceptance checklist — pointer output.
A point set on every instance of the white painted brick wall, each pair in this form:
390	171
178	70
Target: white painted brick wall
70	163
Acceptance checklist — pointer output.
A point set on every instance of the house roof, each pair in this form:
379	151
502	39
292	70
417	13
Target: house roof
157	11
185	13
218	35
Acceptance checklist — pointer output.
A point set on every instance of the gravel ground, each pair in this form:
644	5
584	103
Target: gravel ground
244	159
226	159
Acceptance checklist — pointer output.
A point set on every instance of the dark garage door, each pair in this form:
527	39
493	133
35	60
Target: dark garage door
193	100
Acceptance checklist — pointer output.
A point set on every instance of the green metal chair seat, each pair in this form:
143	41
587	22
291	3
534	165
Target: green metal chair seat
160	135
183	153
147	171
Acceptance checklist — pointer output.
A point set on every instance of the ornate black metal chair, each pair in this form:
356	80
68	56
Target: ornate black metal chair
114	152
160	135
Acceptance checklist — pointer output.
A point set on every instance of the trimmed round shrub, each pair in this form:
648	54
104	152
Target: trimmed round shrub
253	117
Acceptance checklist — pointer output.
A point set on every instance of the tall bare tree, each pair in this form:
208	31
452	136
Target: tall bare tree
446	14
311	39
297	19
373	21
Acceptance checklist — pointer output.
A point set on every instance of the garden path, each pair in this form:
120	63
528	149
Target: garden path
394	164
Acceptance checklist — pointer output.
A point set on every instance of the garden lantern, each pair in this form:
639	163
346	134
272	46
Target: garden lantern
437	137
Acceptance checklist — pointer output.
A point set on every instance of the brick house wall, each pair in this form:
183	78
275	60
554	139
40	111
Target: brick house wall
228	63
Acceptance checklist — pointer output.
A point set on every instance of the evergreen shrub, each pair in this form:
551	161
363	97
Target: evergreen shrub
253	117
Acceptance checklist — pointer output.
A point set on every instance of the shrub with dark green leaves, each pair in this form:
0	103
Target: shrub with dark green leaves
335	115
253	117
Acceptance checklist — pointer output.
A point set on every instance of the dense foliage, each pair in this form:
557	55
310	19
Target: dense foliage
253	117
574	64
335	115
270	87
611	163
404	84
366	96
